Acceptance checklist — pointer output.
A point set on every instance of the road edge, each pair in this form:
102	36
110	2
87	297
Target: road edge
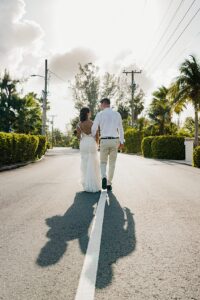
18	165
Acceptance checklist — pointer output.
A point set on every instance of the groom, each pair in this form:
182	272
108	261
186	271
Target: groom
112	139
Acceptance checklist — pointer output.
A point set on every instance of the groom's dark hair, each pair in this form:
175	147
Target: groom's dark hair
105	100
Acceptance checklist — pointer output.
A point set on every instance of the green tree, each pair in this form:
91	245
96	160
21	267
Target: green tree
61	139
124	111
160	110
186	89
86	88
28	115
108	86
18	113
138	103
124	100
189	126
8	102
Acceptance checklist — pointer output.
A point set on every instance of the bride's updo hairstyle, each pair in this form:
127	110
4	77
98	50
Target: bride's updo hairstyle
84	114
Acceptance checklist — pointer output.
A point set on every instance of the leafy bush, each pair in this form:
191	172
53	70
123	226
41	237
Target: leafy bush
184	133
146	146
74	143
16	148
42	146
133	139
168	147
24	147
6	147
48	145
196	157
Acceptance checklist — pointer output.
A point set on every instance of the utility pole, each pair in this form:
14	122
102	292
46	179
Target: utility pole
133	86
52	129
44	97
44	105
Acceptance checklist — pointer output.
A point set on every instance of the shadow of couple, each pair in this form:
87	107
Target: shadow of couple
118	234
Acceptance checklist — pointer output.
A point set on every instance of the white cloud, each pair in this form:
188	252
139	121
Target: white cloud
66	64
19	37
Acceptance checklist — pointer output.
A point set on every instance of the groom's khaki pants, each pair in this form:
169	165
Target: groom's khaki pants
108	148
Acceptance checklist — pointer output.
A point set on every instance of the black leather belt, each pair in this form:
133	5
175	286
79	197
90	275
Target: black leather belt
109	138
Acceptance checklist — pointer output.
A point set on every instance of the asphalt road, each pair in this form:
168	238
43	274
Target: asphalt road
150	244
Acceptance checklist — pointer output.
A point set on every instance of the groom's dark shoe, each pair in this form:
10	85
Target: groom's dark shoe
104	183
109	188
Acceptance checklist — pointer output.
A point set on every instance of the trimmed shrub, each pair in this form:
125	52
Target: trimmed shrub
48	145
146	146
133	140
196	157
24	147
6	148
16	148
168	147
42	146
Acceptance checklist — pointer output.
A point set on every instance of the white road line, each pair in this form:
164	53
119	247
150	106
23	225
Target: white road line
86	287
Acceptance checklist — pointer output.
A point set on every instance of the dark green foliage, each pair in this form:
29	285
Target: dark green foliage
196	157
15	148
160	110
6	143
74	142
168	147
133	139
186	88
146	146
42	146
21	114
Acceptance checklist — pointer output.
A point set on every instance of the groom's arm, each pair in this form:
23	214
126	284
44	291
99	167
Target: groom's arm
121	131
95	125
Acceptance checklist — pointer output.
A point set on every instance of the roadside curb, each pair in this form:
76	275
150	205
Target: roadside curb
182	162
18	165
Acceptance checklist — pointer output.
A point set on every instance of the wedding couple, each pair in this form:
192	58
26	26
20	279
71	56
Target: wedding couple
109	124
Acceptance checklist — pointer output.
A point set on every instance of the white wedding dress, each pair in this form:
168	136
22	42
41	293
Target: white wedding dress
90	170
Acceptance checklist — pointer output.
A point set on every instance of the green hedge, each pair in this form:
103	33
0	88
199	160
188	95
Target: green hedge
42	146
146	146
6	146
16	148
168	147
133	140
196	157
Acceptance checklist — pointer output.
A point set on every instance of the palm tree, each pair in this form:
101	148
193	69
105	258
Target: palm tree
160	109
186	89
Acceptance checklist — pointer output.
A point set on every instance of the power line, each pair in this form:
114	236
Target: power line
163	57
159	26
169	24
163	19
60	78
183	50
178	25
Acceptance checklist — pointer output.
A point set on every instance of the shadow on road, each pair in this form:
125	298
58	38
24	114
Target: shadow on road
74	224
118	239
118	234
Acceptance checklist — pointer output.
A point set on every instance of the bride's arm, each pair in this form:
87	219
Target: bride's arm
78	132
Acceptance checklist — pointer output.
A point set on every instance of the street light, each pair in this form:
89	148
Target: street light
36	75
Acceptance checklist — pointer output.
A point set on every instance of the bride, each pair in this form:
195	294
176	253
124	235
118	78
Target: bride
89	155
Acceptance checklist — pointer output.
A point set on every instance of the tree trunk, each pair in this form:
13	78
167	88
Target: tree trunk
196	135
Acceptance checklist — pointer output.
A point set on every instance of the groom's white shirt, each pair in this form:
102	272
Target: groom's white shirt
110	123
